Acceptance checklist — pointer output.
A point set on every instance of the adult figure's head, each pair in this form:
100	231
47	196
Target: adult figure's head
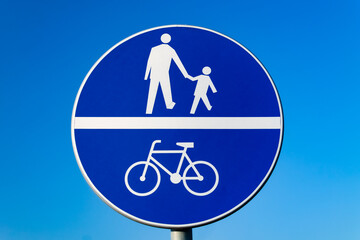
206	70
165	38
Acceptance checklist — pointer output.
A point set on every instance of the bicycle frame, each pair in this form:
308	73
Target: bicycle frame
183	155
175	177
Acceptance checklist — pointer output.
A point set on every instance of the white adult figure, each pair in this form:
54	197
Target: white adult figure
158	66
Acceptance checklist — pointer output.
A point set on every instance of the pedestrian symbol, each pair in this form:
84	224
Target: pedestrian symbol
158	66
203	83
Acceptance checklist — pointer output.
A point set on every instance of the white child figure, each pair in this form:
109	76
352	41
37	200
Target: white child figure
202	86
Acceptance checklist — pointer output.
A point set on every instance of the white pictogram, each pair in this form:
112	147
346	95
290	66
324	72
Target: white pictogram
203	83
158	66
175	177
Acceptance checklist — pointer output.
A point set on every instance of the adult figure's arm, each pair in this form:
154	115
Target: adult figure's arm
213	89
193	78
176	59
148	65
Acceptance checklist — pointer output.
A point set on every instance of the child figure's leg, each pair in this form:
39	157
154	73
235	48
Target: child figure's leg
195	104
206	102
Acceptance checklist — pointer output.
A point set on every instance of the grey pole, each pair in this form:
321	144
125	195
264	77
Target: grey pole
181	234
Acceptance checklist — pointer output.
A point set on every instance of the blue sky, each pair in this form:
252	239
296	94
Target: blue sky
310	49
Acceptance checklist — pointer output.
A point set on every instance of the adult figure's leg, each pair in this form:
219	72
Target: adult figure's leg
154	84
195	104
166	90
206	102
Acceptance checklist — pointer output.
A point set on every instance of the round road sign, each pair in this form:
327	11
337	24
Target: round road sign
177	126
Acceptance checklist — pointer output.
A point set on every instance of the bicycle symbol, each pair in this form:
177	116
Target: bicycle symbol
175	177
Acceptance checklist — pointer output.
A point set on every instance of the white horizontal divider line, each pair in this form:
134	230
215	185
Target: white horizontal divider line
177	123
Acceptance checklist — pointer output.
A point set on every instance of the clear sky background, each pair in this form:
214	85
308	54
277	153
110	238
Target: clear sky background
310	48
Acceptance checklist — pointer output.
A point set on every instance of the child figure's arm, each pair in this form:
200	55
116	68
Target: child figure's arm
213	89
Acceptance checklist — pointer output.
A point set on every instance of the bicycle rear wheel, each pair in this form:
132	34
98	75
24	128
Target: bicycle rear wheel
139	186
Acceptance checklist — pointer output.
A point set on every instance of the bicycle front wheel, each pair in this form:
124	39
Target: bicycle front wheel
201	178
142	186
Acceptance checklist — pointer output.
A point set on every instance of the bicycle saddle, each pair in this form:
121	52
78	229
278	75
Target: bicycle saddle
185	144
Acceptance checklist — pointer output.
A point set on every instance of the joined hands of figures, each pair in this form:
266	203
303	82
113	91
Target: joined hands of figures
190	78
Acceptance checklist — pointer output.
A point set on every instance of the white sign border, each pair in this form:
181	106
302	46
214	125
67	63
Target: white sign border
174	226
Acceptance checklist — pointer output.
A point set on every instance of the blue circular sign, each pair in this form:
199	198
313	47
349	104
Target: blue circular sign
177	126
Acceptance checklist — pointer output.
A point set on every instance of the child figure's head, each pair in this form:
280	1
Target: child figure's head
206	70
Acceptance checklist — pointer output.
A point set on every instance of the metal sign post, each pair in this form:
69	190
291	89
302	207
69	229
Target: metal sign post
177	127
181	234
